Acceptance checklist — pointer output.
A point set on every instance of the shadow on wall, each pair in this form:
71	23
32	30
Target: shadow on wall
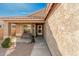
51	42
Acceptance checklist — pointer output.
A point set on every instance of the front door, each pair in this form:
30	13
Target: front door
39	30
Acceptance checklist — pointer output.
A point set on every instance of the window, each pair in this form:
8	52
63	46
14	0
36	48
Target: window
39	31
39	27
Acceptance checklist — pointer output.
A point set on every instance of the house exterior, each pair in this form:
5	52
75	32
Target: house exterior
57	23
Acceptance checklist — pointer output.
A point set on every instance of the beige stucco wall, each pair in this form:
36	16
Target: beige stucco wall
1	30
19	30
64	26
1	34
51	42
13	31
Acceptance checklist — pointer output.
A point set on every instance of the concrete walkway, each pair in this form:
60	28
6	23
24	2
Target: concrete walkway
22	49
39	48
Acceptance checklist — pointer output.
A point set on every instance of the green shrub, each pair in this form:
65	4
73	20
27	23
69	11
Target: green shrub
6	43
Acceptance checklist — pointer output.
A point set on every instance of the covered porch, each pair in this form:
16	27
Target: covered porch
18	28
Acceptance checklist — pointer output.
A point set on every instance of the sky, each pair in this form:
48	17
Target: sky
19	9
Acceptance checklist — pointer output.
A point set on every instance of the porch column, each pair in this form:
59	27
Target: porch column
34	29
5	30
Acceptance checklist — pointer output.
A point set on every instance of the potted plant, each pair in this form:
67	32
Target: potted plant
6	43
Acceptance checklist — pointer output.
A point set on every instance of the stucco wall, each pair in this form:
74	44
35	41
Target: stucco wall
13	32
18	30
1	34
1	30
51	42
64	26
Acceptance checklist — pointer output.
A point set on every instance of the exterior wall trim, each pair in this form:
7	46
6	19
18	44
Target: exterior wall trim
53	7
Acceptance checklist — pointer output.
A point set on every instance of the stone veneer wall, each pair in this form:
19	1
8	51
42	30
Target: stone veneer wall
63	25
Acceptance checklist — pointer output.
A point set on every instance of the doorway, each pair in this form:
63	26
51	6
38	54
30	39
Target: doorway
27	28
39	29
